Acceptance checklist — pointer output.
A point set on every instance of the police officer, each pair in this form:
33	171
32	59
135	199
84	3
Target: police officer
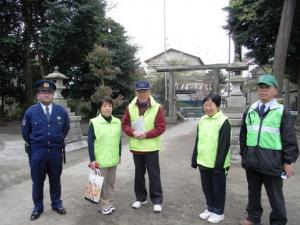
44	127
268	148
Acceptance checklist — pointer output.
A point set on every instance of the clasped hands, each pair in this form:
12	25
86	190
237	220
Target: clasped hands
139	134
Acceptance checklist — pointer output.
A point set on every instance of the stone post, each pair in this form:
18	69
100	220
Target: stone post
172	99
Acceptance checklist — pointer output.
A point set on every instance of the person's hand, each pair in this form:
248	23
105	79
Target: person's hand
289	170
136	134
94	165
139	135
194	165
142	135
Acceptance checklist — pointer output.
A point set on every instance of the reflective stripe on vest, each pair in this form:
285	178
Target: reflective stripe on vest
107	142
263	129
265	132
148	144
208	138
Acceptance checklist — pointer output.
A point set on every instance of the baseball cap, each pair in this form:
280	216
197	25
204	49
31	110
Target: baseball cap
142	85
267	79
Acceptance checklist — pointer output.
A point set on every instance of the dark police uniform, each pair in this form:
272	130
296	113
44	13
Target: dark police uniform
46	140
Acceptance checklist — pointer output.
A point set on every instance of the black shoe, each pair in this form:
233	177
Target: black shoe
35	215
61	210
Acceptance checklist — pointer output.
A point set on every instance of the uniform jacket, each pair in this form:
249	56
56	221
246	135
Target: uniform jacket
267	161
38	133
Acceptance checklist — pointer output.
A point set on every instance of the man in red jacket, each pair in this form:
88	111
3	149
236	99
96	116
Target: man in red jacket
144	122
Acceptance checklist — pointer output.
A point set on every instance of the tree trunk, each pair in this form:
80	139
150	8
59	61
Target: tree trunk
28	77
237	50
298	93
102	80
26	9
42	56
282	41
287	92
43	64
2	108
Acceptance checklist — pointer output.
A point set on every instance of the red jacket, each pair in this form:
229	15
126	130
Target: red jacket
159	124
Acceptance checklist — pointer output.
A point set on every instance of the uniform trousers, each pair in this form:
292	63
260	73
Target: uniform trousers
214	188
273	186
108	187
43	162
150	162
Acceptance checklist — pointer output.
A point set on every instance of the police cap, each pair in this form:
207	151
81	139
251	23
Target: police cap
44	85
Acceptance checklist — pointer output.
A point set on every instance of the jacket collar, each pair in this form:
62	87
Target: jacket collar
152	101
102	120
215	116
273	104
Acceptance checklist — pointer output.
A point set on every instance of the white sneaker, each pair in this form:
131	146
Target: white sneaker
215	218
107	211
157	208
138	204
206	214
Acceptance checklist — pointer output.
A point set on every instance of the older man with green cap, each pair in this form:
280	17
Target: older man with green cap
268	147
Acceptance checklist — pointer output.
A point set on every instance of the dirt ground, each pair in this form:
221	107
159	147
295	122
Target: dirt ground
183	197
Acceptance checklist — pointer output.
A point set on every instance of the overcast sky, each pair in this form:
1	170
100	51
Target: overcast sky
192	26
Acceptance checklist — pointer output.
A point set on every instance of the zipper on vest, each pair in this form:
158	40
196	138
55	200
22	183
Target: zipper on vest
260	124
259	131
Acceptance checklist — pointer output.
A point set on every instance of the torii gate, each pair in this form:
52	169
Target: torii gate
235	66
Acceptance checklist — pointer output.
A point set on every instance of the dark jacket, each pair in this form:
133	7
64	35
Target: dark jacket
268	161
223	147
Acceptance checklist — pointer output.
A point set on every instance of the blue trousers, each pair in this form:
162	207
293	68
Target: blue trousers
214	188
42	162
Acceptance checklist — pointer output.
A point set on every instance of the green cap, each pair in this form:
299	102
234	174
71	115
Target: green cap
267	79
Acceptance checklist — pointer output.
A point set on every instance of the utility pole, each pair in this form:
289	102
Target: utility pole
165	52
229	60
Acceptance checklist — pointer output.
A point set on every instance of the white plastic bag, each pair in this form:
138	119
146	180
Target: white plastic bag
94	186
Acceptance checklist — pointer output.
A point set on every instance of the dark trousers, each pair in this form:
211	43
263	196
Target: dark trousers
150	162
43	162
214	188
273	186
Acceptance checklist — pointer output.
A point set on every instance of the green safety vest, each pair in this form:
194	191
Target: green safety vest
148	144
107	142
265	132
208	137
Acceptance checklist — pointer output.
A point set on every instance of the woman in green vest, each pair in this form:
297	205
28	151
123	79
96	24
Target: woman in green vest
104	144
212	156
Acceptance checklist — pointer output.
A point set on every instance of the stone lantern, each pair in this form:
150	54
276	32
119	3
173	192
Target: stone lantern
58	79
74	140
236	104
